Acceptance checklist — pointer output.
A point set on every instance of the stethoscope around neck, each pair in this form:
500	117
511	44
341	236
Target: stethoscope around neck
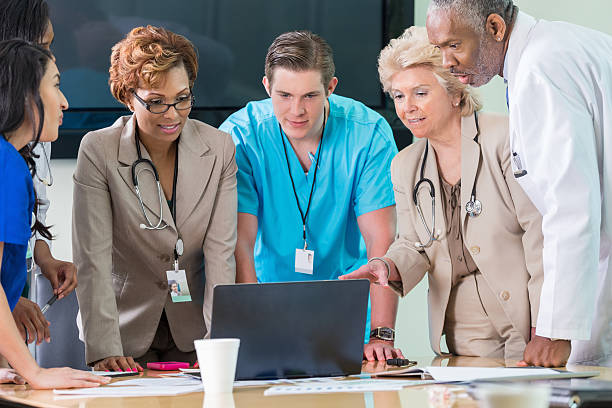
473	207
151	168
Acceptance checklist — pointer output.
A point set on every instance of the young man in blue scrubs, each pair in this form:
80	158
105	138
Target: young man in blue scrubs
315	198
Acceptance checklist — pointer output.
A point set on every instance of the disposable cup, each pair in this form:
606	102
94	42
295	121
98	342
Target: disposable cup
217	359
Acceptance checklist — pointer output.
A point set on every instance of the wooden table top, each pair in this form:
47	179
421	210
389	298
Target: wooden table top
417	396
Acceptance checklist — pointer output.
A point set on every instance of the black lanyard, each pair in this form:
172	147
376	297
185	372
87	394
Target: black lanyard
173	199
314	179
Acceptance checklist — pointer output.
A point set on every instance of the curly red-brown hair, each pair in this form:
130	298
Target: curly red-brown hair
144	56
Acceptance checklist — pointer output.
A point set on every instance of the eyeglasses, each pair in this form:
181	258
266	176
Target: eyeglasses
185	102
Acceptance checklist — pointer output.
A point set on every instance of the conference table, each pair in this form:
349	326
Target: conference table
433	396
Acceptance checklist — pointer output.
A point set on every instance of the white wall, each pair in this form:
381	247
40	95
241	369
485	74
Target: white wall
412	323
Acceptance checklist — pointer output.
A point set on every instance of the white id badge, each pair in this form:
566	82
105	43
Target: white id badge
304	261
177	285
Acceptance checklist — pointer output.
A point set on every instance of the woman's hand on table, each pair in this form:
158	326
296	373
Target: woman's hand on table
117	363
65	377
8	375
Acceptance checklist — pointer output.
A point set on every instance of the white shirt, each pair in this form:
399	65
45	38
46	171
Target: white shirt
43	172
560	100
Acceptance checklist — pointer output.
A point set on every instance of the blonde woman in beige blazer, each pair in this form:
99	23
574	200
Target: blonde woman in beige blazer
128	315
484	270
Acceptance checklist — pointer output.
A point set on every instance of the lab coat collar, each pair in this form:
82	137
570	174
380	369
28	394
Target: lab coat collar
519	37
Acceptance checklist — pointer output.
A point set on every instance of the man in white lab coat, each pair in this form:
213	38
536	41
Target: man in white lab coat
559	79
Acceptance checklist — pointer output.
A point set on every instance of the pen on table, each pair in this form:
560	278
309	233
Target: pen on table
48	305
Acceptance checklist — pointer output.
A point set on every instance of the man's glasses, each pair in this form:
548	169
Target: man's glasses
184	103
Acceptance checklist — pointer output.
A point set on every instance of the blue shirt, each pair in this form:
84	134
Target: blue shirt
353	178
16	206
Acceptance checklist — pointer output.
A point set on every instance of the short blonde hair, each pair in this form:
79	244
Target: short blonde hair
412	49
146	54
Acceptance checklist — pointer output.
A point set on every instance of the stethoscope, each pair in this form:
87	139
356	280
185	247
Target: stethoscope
151	168
179	246
472	207
47	181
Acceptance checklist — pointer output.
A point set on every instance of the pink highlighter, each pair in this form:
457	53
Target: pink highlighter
167	365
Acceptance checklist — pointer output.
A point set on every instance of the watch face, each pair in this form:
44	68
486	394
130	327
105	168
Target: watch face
383	333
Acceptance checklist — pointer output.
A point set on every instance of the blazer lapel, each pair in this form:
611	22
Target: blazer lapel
470	158
147	185
195	169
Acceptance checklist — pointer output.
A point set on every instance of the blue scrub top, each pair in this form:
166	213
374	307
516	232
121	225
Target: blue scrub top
16	206
353	178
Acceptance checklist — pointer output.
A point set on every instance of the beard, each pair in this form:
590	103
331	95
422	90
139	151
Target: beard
488	62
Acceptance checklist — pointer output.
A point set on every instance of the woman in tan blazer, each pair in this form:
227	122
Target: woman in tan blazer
483	256
125	239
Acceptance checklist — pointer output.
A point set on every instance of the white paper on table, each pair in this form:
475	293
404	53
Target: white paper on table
190	370
321	387
486	373
130	391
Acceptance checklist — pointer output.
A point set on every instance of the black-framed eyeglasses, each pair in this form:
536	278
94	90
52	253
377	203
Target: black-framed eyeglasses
185	102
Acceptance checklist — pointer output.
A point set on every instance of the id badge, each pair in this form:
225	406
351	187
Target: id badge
177	285
304	261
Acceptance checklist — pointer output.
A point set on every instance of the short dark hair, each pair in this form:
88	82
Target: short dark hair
476	12
24	19
300	51
21	71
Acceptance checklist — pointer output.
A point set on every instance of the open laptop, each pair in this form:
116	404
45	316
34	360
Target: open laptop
293	329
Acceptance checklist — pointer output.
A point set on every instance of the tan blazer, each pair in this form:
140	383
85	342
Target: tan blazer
505	240
122	268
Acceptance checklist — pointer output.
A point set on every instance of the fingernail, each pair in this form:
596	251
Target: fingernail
106	371
134	369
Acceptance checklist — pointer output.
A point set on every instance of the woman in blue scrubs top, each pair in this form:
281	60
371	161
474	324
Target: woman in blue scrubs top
29	94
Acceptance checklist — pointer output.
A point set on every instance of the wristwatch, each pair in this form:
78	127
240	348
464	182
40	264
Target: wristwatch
383	333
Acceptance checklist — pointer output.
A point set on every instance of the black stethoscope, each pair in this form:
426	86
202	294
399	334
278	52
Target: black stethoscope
472	207
179	246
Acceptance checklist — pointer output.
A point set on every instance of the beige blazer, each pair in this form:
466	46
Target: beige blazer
505	240
122	268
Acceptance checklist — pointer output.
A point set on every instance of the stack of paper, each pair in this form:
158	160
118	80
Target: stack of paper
139	387
467	374
326	387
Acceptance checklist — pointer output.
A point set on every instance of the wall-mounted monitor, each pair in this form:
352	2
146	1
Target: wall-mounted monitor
231	36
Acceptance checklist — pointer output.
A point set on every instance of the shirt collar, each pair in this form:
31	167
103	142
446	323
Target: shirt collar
519	37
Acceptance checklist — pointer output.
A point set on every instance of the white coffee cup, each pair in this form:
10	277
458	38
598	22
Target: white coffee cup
217	359
512	396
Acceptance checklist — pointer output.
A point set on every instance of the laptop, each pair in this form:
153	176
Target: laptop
293	329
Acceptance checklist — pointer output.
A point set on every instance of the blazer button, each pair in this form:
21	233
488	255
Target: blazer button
475	250
163	285
504	295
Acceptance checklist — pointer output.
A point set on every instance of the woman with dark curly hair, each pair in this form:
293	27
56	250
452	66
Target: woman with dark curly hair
154	201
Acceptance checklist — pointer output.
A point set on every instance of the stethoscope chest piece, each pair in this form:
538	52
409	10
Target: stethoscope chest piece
473	207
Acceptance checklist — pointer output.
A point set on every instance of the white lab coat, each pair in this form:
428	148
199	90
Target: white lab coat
560	100
42	172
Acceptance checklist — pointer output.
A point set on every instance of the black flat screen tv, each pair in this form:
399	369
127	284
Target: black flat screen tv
231	36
